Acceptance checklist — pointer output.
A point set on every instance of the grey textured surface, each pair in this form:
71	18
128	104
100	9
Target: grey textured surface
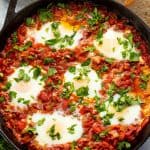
140	7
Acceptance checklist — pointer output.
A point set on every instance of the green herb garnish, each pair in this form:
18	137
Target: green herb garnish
95	17
53	134
12	94
71	129
51	72
29	21
36	72
67	90
82	91
41	121
123	145
72	69
45	15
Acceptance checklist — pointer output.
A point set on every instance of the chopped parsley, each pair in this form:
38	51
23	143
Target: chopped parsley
29	21
71	129
53	134
98	137
41	121
90	48
109	60
67	90
22	76
103	69
31	130
23	101
72	107
36	72
82	91
23	47
62	5
125	101
51	72
95	17
124	145
144	80
61	42
129	52
48	60
99	37
45	15
12	94
14	37
73	145
72	69
55	30
107	117
2	99
86	63
7	86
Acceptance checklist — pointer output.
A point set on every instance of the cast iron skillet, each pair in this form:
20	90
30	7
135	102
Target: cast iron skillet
13	20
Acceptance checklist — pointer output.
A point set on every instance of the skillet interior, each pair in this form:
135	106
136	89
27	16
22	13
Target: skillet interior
112	6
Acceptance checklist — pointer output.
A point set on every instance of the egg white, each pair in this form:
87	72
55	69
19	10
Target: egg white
110	46
130	115
28	90
62	123
92	81
45	33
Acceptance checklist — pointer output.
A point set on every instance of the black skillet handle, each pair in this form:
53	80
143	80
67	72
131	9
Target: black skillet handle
10	12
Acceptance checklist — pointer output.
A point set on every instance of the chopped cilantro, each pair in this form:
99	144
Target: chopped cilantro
73	145
7	86
103	133
41	121
55	30
86	63
23	101
71	129
53	134
31	130
67	90
62	5
109	60
23	47
52	42
36	72
48	60
29	21
22	76
120	119
103	69
123	145
125	101
2	99
44	15
90	48
82	91
107	117
72	69
51	72
144	80
12	94
99	37
72	107
14	37
95	17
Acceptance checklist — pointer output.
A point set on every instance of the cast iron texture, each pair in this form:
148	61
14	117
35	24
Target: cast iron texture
13	20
